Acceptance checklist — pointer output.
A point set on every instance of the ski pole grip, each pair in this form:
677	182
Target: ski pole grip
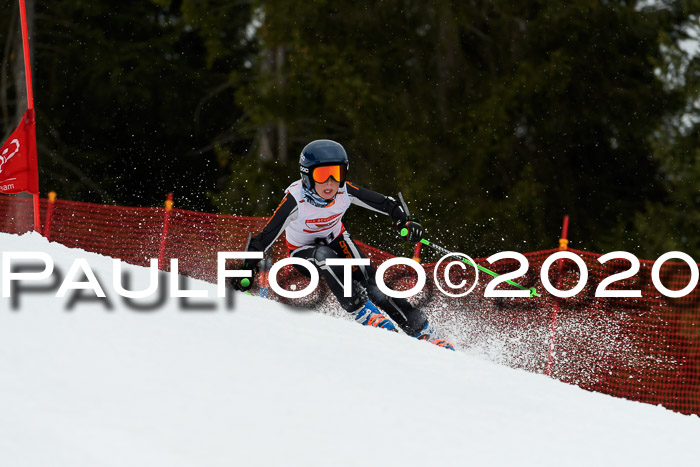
245	282
404	232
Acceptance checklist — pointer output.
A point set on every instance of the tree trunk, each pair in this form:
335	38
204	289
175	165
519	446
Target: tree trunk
7	91
446	50
281	124
273	136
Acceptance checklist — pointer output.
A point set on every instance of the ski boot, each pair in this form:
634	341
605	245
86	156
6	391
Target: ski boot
428	334
369	315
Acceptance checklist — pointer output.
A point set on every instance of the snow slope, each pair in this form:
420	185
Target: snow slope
265	385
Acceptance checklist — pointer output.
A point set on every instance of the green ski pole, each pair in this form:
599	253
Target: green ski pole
532	290
445	251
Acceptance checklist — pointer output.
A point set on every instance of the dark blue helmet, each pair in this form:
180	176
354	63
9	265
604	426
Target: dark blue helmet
320	153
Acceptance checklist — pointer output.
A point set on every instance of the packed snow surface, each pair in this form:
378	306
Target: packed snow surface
193	382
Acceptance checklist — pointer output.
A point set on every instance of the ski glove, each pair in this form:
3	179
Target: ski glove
413	229
244	284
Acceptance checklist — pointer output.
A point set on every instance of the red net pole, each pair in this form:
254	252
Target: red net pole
49	214
164	233
563	241
563	245
416	252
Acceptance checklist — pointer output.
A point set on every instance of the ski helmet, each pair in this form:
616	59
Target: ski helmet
321	153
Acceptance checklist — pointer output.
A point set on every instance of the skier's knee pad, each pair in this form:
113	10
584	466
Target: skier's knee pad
321	253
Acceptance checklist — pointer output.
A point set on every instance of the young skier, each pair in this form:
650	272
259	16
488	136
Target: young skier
310	214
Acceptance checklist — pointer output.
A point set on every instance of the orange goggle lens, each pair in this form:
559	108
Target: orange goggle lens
321	174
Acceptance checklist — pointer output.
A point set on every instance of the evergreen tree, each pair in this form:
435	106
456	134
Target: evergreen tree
511	115
129	106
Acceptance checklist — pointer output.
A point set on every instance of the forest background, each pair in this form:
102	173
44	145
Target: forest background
493	118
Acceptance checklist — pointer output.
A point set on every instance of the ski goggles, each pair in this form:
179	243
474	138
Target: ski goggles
323	173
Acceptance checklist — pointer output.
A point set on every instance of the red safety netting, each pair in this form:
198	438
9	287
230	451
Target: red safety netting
645	349
16	214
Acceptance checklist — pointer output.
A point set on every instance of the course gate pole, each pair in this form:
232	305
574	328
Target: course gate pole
563	245
164	233
49	214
